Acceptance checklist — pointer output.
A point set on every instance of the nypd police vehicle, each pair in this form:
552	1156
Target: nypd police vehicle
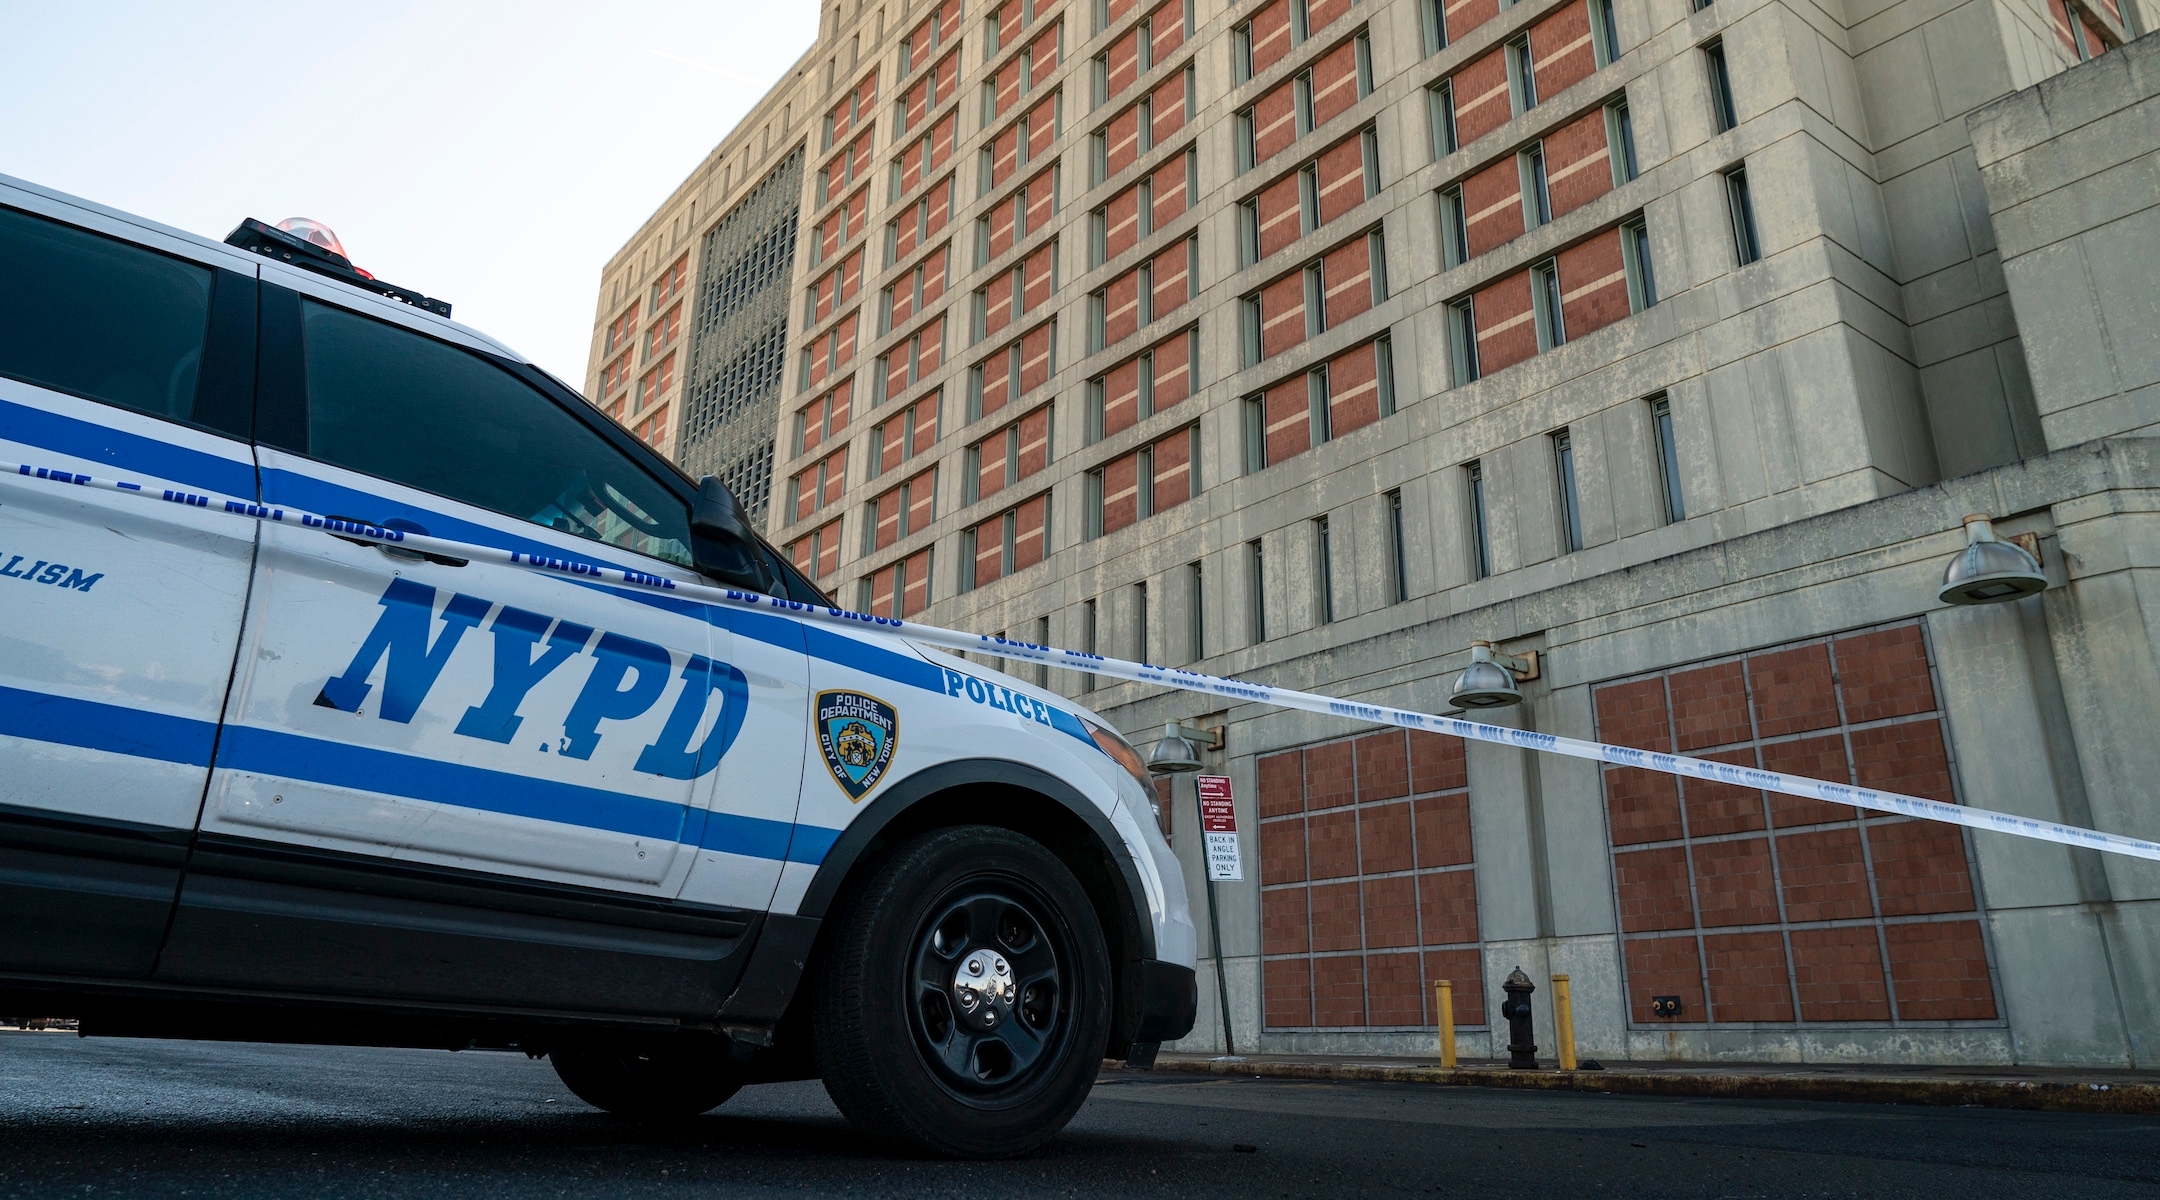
261	782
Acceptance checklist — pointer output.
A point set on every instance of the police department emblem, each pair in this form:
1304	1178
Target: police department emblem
858	734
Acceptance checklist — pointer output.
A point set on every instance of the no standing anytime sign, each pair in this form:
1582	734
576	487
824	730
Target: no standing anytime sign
1218	828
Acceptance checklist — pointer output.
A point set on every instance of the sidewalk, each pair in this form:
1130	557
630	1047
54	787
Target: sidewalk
2041	1088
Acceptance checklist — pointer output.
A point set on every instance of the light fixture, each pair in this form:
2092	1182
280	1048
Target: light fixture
1489	681
1991	568
1176	753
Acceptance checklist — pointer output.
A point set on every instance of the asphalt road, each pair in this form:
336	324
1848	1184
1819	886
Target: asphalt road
143	1119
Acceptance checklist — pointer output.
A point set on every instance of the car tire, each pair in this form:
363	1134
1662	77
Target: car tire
962	999
660	1082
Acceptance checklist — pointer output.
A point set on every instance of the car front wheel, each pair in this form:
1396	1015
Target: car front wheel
962	1001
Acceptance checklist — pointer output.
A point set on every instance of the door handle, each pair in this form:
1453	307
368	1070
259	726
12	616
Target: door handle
402	526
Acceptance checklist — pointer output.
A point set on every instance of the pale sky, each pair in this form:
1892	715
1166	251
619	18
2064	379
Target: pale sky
491	154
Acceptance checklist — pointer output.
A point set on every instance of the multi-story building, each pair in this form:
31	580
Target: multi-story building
1311	340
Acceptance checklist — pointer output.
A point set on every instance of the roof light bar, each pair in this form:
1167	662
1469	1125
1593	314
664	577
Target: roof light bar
272	242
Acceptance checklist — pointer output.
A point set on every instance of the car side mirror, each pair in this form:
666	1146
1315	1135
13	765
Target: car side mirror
721	542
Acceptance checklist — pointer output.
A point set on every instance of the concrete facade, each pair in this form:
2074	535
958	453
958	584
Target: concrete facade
1935	187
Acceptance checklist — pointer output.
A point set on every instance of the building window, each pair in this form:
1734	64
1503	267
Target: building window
1087	640
1480	548
1249	328
1570	501
1255	434
1668	459
1308	194
1434	14
1462	340
1536	190
1244	135
1604	32
1139	621
1094	411
1522	75
1091	513
1745	244
1315	301
1361	50
1323	571
1384	373
1248	218
1399	550
1196	627
1440	103
1316	405
1301	103
1545	304
1300	22
1620	135
1721	97
1241	54
1376	258
1454	228
1635	256
1369	160
1258	584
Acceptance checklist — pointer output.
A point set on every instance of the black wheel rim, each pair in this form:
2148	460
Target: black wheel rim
983	1057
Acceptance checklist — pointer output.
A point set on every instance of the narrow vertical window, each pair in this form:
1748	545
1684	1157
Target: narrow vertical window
1244	135
970	478
1249	328
1376	256
1097	315
1384	373
1300	22
1522	75
1454	228
1462	340
1369	160
1668	459
1098	157
1440	102
1361	50
1092	528
1308	194
1604	32
1146	403
1399	550
1094	411
1536	188
1087	639
1146	206
1316	405
1721	97
1255	434
1315	301
1258	585
1241	54
1248	227
1570	501
1480	548
967	561
1434	20
1620	135
1545	297
1099	81
1140	621
1301	102
1196	627
1144	483
1745	244
1635	256
1323	571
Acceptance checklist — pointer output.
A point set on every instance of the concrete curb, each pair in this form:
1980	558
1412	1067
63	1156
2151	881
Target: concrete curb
2140	1098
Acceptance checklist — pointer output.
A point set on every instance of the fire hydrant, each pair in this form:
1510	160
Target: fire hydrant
1522	1050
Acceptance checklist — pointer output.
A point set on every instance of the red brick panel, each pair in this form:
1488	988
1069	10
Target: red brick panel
943	137
1287	414
851	275
922	500
828	234
1331	841
1004	226
1593	285
990	467
1884	674
1384	838
1653	889
1816	758
889	442
1346	272
1037	270
1664	967
1341	171
835	475
1506	329
1447	907
1940	971
1270	35
1121	222
1034	358
1824	876
1030	532
1394	990
1283	923
1443	830
1481	97
1733	883
1041	193
935	273
1710	706
1353	389
997	303
881	591
1319	14
1286	985
858	212
1334	82
1282	316
1124	63
1919	867
1462	16
1329	776
1042	128
997	382
1118	9
1121	397
917	595
1391	911
1840	975
1173	470
1121	493
1335	913
1004	156
1560	49
1166	25
1274	120
1641	806
1578	168
1793	691
1121	308
1281	783
1383	768
1044	54
886	510
1034	442
1748	980
1339	991
990	548
1715	808
1492	206
1123	135
1173	370
1437	763
844	353
1173	279
1465	972
1280	222
1906	758
1170	198
1006	87
1168	105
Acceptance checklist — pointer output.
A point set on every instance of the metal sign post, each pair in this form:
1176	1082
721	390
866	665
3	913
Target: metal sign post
1219	842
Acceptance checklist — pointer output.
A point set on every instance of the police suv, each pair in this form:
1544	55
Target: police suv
261	782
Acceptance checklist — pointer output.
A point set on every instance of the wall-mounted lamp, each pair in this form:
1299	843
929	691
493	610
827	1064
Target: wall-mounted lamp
1178	752
1992	568
1489	681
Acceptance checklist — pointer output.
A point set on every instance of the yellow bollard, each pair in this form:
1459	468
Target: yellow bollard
1564	1021
1444	1001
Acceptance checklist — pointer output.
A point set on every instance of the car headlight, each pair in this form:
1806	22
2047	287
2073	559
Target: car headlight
1114	744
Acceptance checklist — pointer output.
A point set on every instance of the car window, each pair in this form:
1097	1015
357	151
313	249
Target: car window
391	403
83	313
